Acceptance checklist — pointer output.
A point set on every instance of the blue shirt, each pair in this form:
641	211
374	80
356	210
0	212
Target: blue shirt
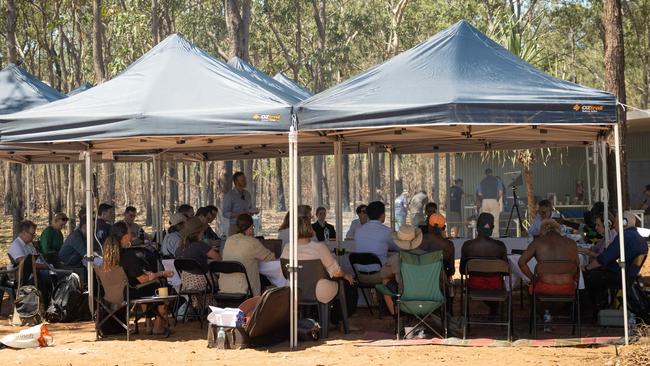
400	205
236	201
634	244
374	237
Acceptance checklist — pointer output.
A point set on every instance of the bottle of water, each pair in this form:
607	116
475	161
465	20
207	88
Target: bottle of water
326	234
221	338
547	321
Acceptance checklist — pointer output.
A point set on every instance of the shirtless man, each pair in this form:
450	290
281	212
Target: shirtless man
551	245
487	248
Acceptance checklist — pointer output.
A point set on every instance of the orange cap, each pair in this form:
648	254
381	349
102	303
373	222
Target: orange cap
437	219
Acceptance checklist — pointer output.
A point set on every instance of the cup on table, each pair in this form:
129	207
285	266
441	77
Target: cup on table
162	292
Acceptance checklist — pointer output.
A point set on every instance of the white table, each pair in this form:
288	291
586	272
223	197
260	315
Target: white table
517	274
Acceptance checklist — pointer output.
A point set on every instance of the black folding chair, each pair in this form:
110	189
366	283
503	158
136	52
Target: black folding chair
556	267
487	267
366	259
309	273
195	268
230	267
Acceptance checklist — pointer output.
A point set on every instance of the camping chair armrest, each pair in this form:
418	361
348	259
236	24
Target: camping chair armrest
144	284
384	290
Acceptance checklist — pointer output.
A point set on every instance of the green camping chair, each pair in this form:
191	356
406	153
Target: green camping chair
422	290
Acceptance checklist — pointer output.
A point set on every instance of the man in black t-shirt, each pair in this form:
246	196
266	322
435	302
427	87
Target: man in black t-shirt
105	217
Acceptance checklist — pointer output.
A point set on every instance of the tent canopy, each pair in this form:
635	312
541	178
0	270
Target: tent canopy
300	90
256	75
20	90
174	93
446	88
81	88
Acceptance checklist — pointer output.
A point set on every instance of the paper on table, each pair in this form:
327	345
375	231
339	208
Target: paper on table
175	280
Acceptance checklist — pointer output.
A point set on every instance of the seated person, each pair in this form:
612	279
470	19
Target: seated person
430	209
138	236
213	212
375	237
551	245
73	250
105	217
116	254
362	218
309	249
207	217
604	272
433	240
484	247
324	230
283	231
173	238
192	246
544	212
602	244
23	246
51	239
244	248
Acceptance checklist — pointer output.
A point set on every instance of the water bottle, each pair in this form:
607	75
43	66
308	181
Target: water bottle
221	338
547	321
326	233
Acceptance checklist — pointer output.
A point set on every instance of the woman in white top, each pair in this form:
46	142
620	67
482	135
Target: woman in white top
283	231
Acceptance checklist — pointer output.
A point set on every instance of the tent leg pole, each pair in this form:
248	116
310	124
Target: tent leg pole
596	172
28	197
293	237
89	229
604	195
588	175
619	204
391	169
339	203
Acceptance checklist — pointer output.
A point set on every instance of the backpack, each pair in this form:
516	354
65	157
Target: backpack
638	302
28	306
68	302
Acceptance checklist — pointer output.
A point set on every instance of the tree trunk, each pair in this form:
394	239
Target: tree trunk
238	18
70	202
399	183
146	192
155	22
615	84
210	184
252	185
317	181
345	182
530	193
279	186
98	51
11	31
326	186
173	186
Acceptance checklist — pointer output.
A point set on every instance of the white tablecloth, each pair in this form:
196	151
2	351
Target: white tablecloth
517	274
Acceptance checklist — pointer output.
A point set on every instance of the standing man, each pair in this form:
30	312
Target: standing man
490	192
238	201
455	215
401	209
416	208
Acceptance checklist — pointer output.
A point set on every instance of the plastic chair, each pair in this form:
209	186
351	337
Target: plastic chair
365	259
486	267
230	267
422	291
556	267
309	273
195	268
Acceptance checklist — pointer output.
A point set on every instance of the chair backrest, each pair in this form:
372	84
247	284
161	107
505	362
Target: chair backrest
229	267
274	245
113	282
364	259
26	270
487	266
271	313
309	273
557	267
421	276
189	266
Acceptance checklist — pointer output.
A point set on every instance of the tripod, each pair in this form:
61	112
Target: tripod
515	207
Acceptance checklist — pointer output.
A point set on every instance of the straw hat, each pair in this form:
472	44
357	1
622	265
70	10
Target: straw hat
438	220
177	218
326	290
408	237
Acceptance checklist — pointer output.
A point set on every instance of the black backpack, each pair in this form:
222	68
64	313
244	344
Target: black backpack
69	302
28	306
638	302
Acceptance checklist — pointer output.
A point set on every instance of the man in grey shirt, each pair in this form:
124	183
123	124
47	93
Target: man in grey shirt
238	201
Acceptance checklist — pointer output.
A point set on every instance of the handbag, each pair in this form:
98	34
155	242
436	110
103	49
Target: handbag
28	306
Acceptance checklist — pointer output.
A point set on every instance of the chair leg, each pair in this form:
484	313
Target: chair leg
323	314
521	293
398	322
533	316
579	315
465	315
363	293
510	317
128	322
344	307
